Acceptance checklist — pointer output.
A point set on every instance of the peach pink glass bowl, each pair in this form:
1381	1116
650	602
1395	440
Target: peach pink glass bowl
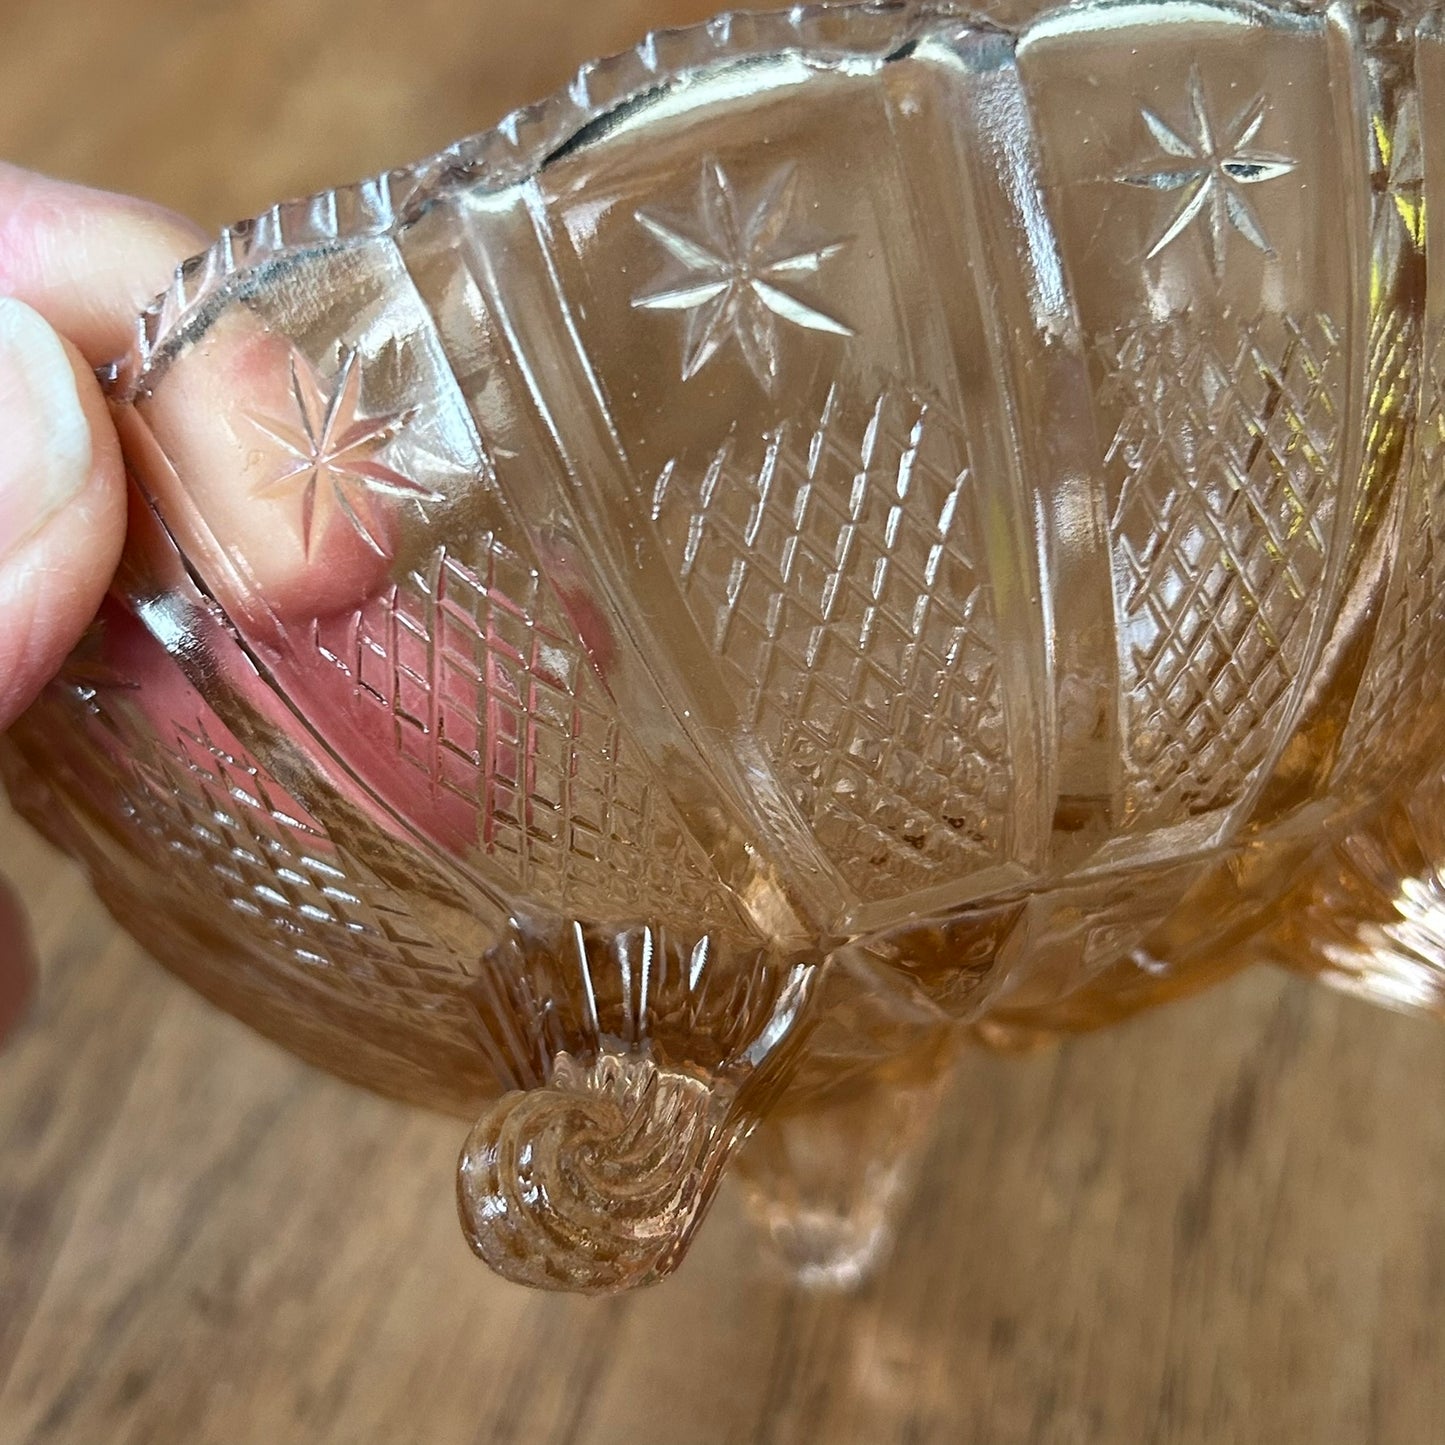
840	533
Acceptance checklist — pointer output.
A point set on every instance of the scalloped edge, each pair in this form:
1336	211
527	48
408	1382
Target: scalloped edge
517	148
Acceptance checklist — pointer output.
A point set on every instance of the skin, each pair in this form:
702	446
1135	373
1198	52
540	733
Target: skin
86	262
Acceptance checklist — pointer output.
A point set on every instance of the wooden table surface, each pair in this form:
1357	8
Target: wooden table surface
1223	1222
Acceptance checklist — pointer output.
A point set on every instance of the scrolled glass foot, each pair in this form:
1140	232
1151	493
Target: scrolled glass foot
637	1060
594	1182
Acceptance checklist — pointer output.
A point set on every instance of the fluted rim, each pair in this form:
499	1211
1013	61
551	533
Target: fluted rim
826	35
519	146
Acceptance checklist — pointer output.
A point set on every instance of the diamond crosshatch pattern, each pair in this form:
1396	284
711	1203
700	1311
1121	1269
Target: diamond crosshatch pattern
483	691
836	568
1393	348
214	824
1223	471
1407	665
1391	396
941	680
1401	450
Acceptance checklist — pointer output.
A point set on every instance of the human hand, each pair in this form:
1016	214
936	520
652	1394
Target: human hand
76	267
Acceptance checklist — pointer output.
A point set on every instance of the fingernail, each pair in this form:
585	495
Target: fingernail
44	438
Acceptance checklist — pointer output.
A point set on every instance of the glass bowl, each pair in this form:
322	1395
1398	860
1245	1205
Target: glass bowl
840	534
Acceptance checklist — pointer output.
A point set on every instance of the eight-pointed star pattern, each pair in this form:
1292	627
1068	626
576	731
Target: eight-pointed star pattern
334	462
1212	168
733	268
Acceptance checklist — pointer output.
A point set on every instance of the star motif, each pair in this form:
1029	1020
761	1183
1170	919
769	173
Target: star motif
335	455
731	271
1212	170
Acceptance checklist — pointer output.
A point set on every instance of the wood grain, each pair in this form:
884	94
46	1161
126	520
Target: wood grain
1224	1222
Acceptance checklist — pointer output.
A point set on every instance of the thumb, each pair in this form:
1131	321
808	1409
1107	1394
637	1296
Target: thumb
62	502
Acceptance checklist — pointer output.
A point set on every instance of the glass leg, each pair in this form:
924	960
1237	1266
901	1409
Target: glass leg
827	1182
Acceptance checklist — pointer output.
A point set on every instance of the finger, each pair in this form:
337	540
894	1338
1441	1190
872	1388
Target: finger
234	495
62	503
87	260
17	963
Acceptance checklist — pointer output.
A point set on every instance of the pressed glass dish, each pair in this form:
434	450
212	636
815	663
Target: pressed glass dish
842	533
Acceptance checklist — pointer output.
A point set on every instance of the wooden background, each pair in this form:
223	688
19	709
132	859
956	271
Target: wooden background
1223	1222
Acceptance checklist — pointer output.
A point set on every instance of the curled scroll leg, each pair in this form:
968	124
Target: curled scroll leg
595	1181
